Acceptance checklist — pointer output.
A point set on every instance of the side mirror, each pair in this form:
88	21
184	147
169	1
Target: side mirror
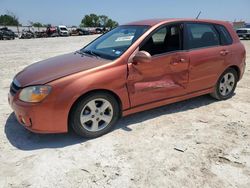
142	57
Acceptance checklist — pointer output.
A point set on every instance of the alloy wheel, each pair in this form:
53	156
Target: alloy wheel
227	84
96	115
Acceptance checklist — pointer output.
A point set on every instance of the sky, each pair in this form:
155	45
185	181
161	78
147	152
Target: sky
70	12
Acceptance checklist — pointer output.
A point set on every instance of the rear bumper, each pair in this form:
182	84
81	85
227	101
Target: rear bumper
38	118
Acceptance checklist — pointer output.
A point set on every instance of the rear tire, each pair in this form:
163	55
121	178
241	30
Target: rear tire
226	85
94	115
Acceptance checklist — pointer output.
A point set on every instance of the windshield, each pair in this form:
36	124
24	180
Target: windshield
63	28
114	43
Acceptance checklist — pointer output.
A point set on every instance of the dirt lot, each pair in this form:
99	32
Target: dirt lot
143	149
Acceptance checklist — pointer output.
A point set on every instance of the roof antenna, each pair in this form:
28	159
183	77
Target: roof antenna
197	17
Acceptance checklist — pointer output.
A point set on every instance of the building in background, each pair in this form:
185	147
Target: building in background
239	24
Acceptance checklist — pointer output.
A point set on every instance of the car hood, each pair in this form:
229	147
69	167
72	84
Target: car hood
57	67
243	29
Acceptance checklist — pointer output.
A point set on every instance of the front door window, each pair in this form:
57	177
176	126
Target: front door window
164	40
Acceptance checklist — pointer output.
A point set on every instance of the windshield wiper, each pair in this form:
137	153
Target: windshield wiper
90	52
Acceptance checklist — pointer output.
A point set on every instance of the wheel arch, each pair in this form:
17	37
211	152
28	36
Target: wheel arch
237	69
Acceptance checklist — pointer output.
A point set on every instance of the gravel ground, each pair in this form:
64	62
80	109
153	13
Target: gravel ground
196	143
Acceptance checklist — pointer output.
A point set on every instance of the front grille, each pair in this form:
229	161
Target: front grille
14	88
241	31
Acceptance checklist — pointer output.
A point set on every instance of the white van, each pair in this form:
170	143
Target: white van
63	30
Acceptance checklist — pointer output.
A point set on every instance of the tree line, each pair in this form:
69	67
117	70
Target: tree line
91	20
9	19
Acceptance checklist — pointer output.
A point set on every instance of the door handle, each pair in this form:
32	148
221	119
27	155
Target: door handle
177	61
224	52
182	60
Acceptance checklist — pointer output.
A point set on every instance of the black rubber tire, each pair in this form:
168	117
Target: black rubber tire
216	94
74	118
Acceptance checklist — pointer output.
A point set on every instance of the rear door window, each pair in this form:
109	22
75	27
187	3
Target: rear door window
201	35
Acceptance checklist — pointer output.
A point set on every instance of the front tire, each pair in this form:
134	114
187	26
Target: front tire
94	115
226	85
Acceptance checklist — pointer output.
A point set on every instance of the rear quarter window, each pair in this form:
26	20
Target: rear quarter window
225	36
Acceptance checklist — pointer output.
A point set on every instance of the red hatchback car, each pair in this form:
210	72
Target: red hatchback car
134	67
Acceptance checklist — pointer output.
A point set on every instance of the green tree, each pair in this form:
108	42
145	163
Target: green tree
9	20
37	24
111	23
91	20
47	25
94	20
103	20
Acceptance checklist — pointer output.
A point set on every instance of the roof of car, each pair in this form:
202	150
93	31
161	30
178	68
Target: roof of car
152	22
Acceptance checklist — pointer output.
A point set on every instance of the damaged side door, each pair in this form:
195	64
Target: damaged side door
166	74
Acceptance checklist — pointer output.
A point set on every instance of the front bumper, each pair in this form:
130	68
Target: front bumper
38	118
243	35
64	34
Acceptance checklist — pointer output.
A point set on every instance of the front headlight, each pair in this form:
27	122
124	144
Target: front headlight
34	94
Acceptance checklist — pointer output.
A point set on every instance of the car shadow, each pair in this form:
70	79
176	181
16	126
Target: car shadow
23	139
